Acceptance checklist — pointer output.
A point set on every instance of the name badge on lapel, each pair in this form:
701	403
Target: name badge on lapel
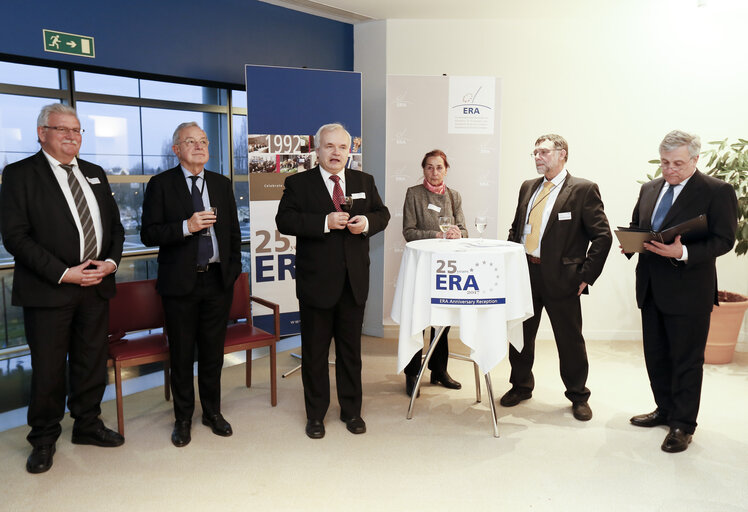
93	181
564	216
359	195
434	207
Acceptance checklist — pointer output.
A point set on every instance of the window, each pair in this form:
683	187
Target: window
128	125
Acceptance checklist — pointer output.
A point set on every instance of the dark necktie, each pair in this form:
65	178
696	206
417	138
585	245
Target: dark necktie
204	242
663	208
337	192
89	233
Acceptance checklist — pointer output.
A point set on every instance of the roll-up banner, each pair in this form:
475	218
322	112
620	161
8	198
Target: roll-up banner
285	107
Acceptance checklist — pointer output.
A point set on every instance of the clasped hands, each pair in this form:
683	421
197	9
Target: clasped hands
341	220
84	276
453	233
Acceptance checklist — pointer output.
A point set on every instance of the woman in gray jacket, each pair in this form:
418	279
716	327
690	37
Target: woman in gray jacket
424	204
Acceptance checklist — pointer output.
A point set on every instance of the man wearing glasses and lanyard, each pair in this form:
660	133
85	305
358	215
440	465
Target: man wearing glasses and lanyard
561	222
199	259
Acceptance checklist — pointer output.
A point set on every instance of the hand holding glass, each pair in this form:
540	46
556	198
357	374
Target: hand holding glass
444	224
347	204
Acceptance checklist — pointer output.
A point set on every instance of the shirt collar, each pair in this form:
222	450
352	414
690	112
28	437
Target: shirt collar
326	174
55	163
559	179
188	174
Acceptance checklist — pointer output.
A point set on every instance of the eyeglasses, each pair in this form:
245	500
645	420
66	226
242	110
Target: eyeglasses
676	166
65	130
195	142
543	152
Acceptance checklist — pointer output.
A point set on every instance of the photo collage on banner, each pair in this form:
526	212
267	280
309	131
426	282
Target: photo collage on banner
285	107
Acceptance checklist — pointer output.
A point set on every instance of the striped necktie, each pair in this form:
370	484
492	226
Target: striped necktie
337	193
89	233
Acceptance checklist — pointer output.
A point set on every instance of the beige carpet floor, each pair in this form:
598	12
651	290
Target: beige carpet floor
445	458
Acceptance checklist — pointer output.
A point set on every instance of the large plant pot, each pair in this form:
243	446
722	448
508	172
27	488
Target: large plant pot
724	327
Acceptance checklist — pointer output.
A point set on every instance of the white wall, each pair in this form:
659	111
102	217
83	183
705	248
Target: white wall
612	82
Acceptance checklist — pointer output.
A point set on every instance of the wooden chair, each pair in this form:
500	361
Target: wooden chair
245	336
136	307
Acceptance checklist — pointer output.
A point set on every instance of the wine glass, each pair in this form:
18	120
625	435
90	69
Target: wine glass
480	224
444	224
347	204
214	211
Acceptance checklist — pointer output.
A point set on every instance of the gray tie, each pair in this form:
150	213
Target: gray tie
89	234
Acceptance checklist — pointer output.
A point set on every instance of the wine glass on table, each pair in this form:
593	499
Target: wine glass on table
444	224
347	204
481	222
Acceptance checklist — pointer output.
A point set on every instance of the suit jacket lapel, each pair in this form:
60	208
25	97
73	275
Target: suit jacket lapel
525	202
181	191
647	204
567	187
47	178
320	189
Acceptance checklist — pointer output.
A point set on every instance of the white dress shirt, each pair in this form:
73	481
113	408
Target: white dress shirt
330	184
552	195
677	189
202	185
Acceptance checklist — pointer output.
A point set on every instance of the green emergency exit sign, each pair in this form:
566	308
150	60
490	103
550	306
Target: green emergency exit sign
72	44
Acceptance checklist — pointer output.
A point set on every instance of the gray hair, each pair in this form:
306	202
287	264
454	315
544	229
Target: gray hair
677	138
558	142
183	126
328	128
54	108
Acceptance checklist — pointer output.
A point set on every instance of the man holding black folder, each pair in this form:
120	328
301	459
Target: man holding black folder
676	285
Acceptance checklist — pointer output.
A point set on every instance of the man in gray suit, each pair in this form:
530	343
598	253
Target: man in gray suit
561	222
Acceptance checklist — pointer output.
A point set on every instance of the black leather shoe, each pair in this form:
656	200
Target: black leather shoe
410	385
653	419
40	459
355	425
581	411
315	429
102	436
218	425
445	380
180	436
677	440
515	396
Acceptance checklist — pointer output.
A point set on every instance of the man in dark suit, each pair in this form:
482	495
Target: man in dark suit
676	285
332	272
62	226
199	259
561	222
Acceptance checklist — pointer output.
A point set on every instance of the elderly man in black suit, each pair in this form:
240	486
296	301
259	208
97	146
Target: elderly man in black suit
561	222
332	272
676	284
199	259
62	226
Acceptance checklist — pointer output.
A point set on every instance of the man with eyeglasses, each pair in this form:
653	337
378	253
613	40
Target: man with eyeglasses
190	213
62	226
561	222
676	284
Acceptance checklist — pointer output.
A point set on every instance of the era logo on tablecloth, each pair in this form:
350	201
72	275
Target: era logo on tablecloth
466	280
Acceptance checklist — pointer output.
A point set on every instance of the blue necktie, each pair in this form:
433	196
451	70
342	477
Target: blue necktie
663	208
204	242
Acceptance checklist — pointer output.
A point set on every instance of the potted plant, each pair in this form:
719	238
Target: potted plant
729	163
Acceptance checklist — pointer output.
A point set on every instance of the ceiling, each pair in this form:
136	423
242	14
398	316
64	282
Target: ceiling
355	11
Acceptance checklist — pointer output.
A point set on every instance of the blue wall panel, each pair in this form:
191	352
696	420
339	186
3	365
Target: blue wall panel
186	39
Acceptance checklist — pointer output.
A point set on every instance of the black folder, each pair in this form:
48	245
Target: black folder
632	239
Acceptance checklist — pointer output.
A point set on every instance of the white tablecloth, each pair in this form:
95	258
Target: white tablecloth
485	329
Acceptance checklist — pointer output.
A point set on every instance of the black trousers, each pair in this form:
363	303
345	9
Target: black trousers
198	321
565	315
674	353
318	326
72	336
438	361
